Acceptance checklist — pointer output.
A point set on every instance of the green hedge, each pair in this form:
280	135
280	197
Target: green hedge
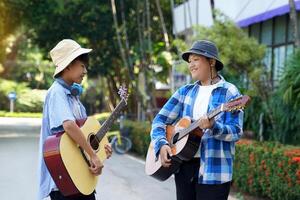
139	133
267	169
28	100
20	114
264	169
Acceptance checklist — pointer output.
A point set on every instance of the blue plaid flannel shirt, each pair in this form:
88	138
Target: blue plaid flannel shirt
217	147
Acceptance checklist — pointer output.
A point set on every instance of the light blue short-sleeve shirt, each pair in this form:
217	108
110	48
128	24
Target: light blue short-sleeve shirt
59	106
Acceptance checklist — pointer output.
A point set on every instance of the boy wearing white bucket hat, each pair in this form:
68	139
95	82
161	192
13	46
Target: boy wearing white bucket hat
62	108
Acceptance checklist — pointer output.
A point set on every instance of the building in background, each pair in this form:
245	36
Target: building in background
266	20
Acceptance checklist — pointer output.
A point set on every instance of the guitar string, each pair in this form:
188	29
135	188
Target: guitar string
186	131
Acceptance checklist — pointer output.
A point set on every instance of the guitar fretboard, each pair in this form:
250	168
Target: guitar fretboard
195	124
109	122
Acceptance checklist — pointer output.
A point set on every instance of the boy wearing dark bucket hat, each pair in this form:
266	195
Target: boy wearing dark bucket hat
208	175
62	108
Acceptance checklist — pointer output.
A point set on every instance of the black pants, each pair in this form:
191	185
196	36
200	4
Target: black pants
56	195
187	187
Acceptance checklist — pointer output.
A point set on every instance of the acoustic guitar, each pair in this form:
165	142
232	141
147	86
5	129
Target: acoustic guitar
184	139
68	163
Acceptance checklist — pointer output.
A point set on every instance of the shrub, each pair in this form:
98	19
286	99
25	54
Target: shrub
27	100
31	100
267	169
139	133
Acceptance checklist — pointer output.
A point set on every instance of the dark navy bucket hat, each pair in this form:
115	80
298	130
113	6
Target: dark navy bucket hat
205	48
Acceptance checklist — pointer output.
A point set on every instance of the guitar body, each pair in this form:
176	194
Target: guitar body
66	162
185	138
183	150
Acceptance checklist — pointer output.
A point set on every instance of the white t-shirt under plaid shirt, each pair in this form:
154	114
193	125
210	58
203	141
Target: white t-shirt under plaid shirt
201	103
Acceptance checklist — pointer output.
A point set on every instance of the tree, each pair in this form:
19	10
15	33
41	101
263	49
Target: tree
294	23
9	22
286	103
119	56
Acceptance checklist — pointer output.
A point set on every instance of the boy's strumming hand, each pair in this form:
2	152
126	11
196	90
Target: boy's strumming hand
95	165
165	152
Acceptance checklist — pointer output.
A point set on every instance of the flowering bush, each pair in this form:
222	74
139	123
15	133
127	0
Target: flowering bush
267	169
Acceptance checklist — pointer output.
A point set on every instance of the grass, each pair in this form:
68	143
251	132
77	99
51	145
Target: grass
20	114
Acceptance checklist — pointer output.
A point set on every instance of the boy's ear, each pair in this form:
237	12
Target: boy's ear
212	62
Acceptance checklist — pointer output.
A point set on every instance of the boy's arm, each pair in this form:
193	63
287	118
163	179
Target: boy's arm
232	128
167	115
61	118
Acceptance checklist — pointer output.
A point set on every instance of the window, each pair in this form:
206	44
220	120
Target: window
289	50
298	20
280	29
254	31
279	59
276	35
246	30
268	58
266	32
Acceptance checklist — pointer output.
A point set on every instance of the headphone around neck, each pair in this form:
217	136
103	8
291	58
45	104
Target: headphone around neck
75	89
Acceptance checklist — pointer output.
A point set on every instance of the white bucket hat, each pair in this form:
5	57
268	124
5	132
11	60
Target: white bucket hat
64	53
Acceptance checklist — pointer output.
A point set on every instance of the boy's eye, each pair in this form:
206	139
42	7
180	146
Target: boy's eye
83	66
193	60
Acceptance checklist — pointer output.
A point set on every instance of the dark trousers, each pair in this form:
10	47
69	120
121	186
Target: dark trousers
187	187
56	195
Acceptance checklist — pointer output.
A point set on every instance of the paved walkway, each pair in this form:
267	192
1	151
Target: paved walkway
123	176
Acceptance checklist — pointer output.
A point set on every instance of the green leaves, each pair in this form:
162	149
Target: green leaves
290	82
267	169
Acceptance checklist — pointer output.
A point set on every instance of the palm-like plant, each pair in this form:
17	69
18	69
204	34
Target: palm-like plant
290	83
287	105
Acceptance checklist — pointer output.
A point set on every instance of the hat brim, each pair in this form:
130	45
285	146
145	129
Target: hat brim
185	57
61	66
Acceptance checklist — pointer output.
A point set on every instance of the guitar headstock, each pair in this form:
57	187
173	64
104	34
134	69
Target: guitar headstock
123	93
236	104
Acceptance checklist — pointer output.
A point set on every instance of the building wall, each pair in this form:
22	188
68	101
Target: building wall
194	12
276	34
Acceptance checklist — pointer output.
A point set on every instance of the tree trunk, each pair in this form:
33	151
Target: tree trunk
130	63
141	78
212	6
115	19
163	25
294	23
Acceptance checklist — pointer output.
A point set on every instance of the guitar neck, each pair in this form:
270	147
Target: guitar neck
215	112
109	122
195	124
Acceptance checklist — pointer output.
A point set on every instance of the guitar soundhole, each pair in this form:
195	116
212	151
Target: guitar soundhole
94	142
175	138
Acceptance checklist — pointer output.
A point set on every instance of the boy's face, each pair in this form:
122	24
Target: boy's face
199	67
77	70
